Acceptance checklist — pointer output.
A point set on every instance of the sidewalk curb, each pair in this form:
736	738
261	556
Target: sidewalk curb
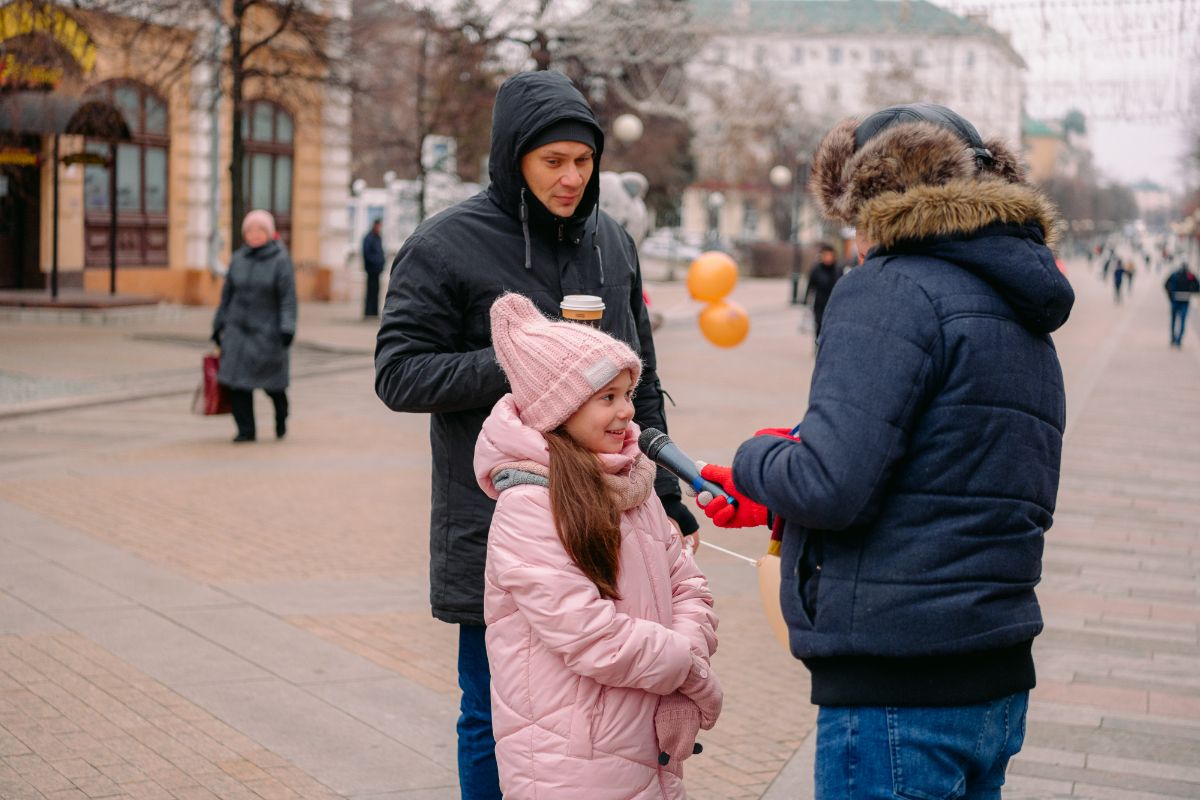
58	404
795	780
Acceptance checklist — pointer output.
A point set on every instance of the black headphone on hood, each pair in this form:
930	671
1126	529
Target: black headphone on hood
941	116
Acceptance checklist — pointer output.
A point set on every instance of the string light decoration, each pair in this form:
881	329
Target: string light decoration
1116	60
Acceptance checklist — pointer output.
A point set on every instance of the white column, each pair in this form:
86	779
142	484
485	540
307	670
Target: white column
203	128
335	150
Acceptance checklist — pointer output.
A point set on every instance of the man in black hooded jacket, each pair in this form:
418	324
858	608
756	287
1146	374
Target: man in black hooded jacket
536	230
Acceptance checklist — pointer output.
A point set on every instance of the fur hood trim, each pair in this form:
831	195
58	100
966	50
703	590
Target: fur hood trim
900	158
960	206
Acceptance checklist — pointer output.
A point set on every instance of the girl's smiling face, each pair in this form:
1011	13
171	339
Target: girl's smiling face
600	423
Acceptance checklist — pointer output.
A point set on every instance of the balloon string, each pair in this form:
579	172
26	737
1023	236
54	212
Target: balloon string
720	549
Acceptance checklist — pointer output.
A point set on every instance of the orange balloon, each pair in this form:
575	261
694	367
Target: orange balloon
724	323
711	276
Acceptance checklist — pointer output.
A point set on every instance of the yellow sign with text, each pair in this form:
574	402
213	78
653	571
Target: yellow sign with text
19	157
14	72
22	18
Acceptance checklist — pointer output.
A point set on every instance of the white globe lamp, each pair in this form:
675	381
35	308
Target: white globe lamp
628	128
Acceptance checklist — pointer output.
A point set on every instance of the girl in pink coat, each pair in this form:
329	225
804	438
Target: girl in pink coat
600	624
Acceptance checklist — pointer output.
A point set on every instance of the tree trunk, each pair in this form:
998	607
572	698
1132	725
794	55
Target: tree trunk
540	51
422	122
237	187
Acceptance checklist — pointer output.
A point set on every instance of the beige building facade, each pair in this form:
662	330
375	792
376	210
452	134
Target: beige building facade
172	195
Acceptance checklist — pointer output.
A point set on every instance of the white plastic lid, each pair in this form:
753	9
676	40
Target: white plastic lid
582	302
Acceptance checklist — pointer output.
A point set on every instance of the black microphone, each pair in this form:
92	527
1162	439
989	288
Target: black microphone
659	448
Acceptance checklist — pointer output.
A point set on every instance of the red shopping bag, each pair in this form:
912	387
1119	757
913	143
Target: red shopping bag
211	397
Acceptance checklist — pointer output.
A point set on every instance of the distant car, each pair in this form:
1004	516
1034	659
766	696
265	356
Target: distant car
670	244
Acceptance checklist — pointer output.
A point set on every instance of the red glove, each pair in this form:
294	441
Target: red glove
746	514
783	433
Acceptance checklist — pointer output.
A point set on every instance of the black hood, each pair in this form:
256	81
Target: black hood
527	103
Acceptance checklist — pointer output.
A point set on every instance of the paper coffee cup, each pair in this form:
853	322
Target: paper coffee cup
585	308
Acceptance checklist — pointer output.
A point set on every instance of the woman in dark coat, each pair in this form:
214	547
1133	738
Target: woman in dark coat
255	324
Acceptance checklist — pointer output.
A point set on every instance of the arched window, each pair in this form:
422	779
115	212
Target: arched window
142	189
267	168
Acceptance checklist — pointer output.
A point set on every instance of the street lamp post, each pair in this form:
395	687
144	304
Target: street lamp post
781	177
715	201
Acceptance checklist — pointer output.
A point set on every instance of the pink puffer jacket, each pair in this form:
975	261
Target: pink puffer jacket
576	678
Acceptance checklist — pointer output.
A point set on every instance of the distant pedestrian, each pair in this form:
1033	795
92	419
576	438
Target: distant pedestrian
373	258
255	324
1118	279
600	625
821	280
1110	262
1131	269
1181	286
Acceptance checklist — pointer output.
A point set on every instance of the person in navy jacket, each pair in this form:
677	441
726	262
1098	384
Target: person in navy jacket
915	492
373	258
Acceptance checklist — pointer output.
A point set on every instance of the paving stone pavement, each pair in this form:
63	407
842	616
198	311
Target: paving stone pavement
255	618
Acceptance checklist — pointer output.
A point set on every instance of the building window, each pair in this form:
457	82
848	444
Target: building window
268	132
760	55
835	55
798	55
833	93
878	55
970	59
142	188
919	57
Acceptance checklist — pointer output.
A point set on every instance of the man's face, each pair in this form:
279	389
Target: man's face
557	173
827	257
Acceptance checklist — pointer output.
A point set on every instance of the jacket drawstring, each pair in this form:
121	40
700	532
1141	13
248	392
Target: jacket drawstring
596	245
523	215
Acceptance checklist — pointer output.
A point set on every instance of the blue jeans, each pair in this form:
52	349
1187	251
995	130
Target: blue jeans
477	775
1179	312
951	753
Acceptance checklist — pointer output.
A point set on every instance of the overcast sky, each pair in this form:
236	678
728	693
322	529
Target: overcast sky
1132	67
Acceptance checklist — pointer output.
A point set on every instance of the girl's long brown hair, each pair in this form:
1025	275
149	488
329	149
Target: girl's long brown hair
585	513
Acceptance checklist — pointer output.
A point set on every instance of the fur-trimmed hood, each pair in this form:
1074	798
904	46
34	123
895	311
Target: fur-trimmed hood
957	207
925	171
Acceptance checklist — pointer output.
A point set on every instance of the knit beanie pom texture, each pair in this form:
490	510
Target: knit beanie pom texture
553	367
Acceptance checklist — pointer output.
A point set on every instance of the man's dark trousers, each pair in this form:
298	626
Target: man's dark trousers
371	298
1179	312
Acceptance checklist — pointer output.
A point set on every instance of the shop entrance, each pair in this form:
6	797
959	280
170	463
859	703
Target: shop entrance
20	206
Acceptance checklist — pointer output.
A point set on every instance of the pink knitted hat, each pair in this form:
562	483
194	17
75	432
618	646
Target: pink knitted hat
553	367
